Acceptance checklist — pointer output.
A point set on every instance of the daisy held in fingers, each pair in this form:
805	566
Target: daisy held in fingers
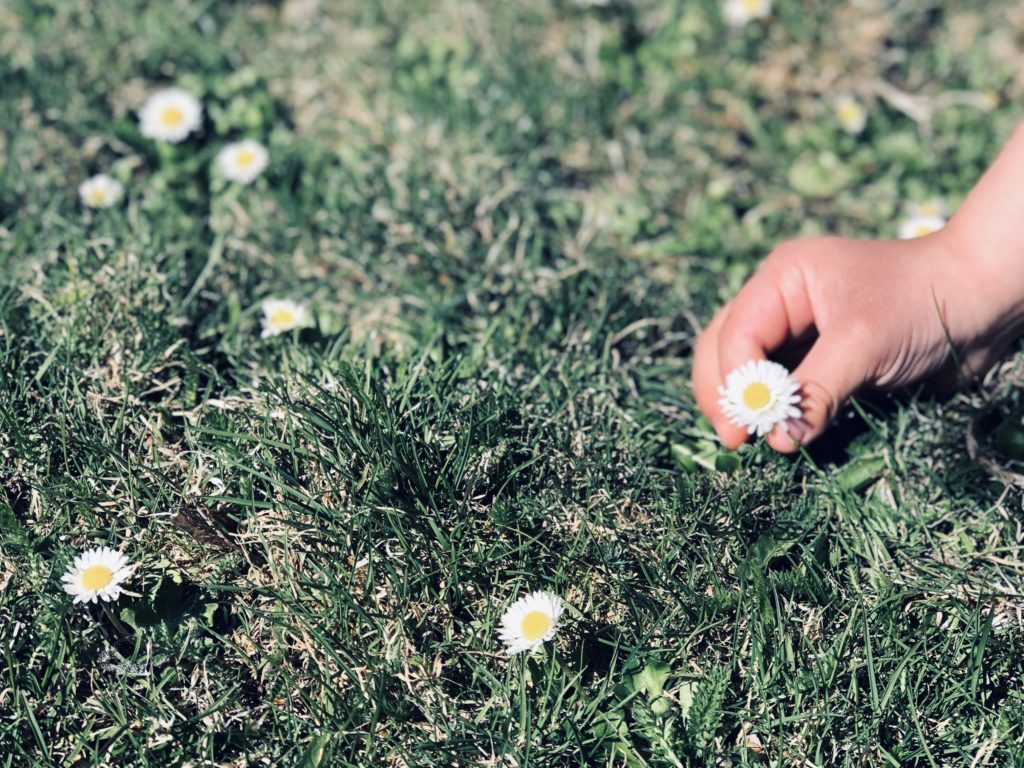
100	191
759	396
530	622
170	115
242	161
97	574
283	315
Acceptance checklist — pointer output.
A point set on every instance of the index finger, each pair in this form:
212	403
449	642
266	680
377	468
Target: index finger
770	309
707	377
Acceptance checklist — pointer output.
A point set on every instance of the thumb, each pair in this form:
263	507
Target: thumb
831	372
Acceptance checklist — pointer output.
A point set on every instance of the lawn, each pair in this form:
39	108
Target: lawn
509	221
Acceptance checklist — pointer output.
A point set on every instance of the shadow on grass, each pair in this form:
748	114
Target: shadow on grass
595	654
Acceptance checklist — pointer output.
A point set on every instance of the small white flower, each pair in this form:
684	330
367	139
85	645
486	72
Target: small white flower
851	114
740	12
242	161
170	115
100	191
96	574
919	226
530	621
937	207
283	315
760	395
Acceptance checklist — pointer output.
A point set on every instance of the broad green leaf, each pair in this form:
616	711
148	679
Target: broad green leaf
314	755
652	679
727	462
860	473
661	705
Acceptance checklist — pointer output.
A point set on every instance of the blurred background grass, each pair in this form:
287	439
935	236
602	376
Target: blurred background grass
511	220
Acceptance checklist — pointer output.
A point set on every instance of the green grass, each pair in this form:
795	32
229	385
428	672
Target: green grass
510	220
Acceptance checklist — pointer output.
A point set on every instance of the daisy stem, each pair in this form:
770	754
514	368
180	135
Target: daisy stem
524	714
165	153
118	624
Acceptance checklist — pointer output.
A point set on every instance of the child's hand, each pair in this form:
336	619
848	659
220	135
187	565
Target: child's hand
878	313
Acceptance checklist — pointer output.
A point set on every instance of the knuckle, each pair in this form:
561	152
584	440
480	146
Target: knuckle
819	401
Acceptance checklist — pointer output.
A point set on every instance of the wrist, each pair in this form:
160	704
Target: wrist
985	239
983	276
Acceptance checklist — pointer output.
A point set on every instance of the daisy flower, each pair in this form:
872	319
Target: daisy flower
934	208
851	114
100	191
530	621
170	115
96	573
283	315
242	161
919	226
759	395
740	12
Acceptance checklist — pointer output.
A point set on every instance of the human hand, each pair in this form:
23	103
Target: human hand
879	313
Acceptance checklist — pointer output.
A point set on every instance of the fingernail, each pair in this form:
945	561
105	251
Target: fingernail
797	429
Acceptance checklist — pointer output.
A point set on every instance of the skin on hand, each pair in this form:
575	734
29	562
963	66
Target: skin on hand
877	313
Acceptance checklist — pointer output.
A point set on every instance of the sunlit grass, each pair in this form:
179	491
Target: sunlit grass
504	226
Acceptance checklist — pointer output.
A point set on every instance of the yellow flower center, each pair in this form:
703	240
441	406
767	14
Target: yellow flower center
923	229
172	116
535	625
849	112
96	196
756	395
752	6
283	318
244	158
96	577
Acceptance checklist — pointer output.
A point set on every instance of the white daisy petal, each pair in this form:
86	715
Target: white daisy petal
97	573
740	12
759	396
530	621
919	226
170	115
100	191
242	161
283	315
